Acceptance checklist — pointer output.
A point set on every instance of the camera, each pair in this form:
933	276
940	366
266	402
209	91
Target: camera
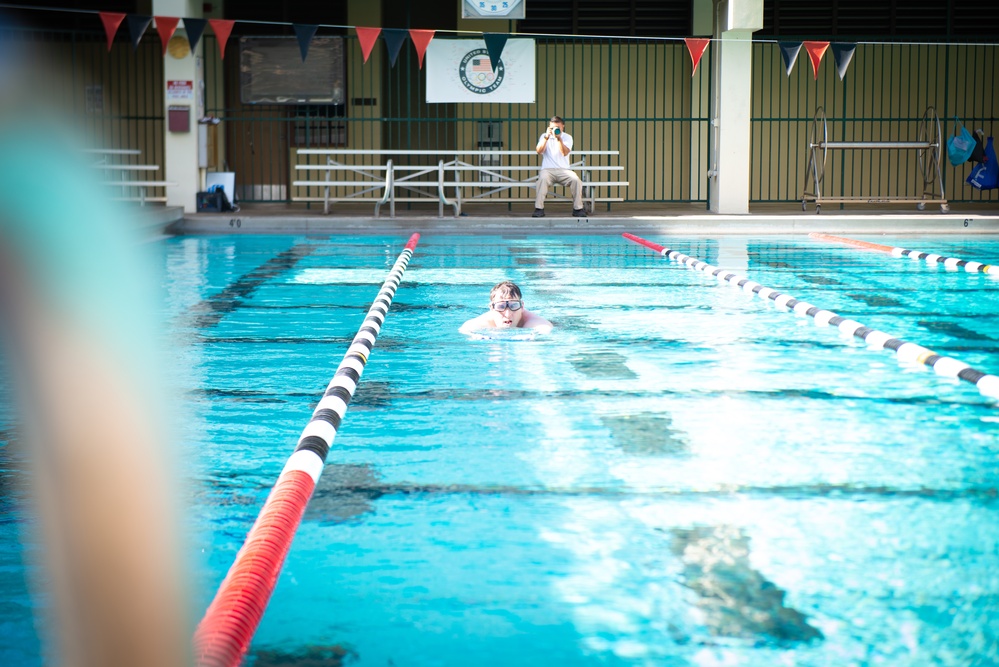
557	131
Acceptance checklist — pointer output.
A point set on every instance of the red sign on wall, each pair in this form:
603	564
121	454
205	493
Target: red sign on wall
180	90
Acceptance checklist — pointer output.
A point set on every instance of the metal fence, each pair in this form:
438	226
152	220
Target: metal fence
883	97
636	96
113	99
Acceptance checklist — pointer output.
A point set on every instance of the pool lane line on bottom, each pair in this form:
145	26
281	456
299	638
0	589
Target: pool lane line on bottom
931	258
225	632
987	385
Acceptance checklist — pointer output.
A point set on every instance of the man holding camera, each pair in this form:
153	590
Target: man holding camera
554	147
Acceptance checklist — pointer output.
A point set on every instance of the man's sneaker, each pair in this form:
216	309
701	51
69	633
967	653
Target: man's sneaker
579	212
538	213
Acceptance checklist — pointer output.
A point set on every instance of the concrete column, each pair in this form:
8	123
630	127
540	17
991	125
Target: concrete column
732	63
181	148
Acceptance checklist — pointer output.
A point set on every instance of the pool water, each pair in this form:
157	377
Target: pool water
679	474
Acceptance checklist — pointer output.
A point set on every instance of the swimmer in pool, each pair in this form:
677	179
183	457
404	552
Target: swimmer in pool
506	311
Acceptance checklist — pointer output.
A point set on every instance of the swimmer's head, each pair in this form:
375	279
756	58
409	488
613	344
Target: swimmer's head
505	290
506	305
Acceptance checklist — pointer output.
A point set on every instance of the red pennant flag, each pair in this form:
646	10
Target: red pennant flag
696	46
166	26
367	37
815	51
421	39
222	29
111	21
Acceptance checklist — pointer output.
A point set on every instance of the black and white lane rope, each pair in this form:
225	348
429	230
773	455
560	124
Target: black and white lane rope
931	258
987	385
224	634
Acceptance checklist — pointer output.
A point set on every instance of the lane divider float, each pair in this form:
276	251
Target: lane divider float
931	258
987	385
224	634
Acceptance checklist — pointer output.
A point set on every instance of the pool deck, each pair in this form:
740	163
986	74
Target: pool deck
668	219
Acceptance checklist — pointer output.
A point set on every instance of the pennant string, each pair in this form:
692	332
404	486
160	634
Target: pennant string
842	52
459	32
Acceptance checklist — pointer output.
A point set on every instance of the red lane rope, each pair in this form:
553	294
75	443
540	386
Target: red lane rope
929	257
645	242
230	621
225	632
854	242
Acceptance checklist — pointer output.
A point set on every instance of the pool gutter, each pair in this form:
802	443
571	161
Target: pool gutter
687	225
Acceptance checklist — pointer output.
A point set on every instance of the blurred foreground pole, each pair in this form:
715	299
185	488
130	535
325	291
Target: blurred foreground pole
77	325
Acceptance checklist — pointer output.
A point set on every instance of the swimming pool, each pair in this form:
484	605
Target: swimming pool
679	474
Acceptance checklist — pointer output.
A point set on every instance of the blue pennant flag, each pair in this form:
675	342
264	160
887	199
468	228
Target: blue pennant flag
789	52
194	29
305	32
842	54
394	39
137	27
494	45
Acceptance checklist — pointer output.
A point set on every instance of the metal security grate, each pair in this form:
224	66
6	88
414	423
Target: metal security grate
631	18
881	20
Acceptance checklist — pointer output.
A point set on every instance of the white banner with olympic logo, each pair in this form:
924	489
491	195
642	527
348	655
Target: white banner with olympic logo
459	70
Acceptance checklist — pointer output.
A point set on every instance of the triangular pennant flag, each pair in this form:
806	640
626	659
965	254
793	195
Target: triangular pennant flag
843	54
111	21
166	26
394	39
367	37
137	25
815	51
222	29
696	46
421	39
194	28
305	32
494	45
789	52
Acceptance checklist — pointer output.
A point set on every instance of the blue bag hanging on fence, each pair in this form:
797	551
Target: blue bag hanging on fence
985	176
960	146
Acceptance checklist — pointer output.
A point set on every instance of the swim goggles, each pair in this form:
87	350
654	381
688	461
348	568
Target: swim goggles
513	305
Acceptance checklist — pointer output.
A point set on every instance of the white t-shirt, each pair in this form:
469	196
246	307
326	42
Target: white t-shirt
552	157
